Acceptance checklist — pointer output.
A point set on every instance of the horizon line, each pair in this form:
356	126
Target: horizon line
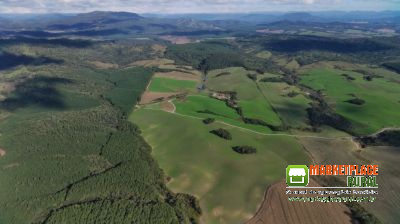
190	13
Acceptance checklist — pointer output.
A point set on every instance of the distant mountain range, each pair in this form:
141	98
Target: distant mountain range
102	23
326	16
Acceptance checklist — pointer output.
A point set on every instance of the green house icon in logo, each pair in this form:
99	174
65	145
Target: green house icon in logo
297	176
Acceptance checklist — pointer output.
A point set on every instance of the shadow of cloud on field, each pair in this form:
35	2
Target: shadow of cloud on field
39	91
9	60
290	109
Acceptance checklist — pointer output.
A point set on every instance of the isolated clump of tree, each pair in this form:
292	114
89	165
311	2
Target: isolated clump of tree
244	149
271	79
254	121
259	122
252	76
368	78
367	75
222	133
348	77
260	71
209	120
293	94
356	101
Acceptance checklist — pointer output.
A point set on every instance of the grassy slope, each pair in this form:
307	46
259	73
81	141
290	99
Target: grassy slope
195	103
253	103
228	184
159	84
292	110
381	96
264	54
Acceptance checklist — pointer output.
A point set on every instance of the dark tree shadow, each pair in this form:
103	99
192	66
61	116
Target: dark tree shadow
40	37
8	60
40	91
77	43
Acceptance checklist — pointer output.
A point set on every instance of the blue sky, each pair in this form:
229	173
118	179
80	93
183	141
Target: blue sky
192	6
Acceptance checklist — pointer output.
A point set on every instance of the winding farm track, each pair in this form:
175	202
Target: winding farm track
279	134
172	103
256	132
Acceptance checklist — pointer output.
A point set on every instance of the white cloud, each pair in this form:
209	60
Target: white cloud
309	1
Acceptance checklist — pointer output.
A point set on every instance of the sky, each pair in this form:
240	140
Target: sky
192	6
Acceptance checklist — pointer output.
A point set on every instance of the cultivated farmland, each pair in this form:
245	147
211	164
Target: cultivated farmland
217	168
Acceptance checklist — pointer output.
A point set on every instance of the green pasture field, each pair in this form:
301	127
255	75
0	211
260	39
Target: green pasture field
253	103
292	110
204	165
259	109
381	97
194	104
236	81
264	54
293	65
160	84
206	107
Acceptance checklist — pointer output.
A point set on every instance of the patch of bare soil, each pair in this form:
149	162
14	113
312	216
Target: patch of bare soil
151	97
2	152
9	166
178	75
167	106
152	62
177	39
6	88
276	208
103	65
158	48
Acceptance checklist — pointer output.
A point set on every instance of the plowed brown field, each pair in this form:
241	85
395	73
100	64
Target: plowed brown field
276	208
150	97
178	75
